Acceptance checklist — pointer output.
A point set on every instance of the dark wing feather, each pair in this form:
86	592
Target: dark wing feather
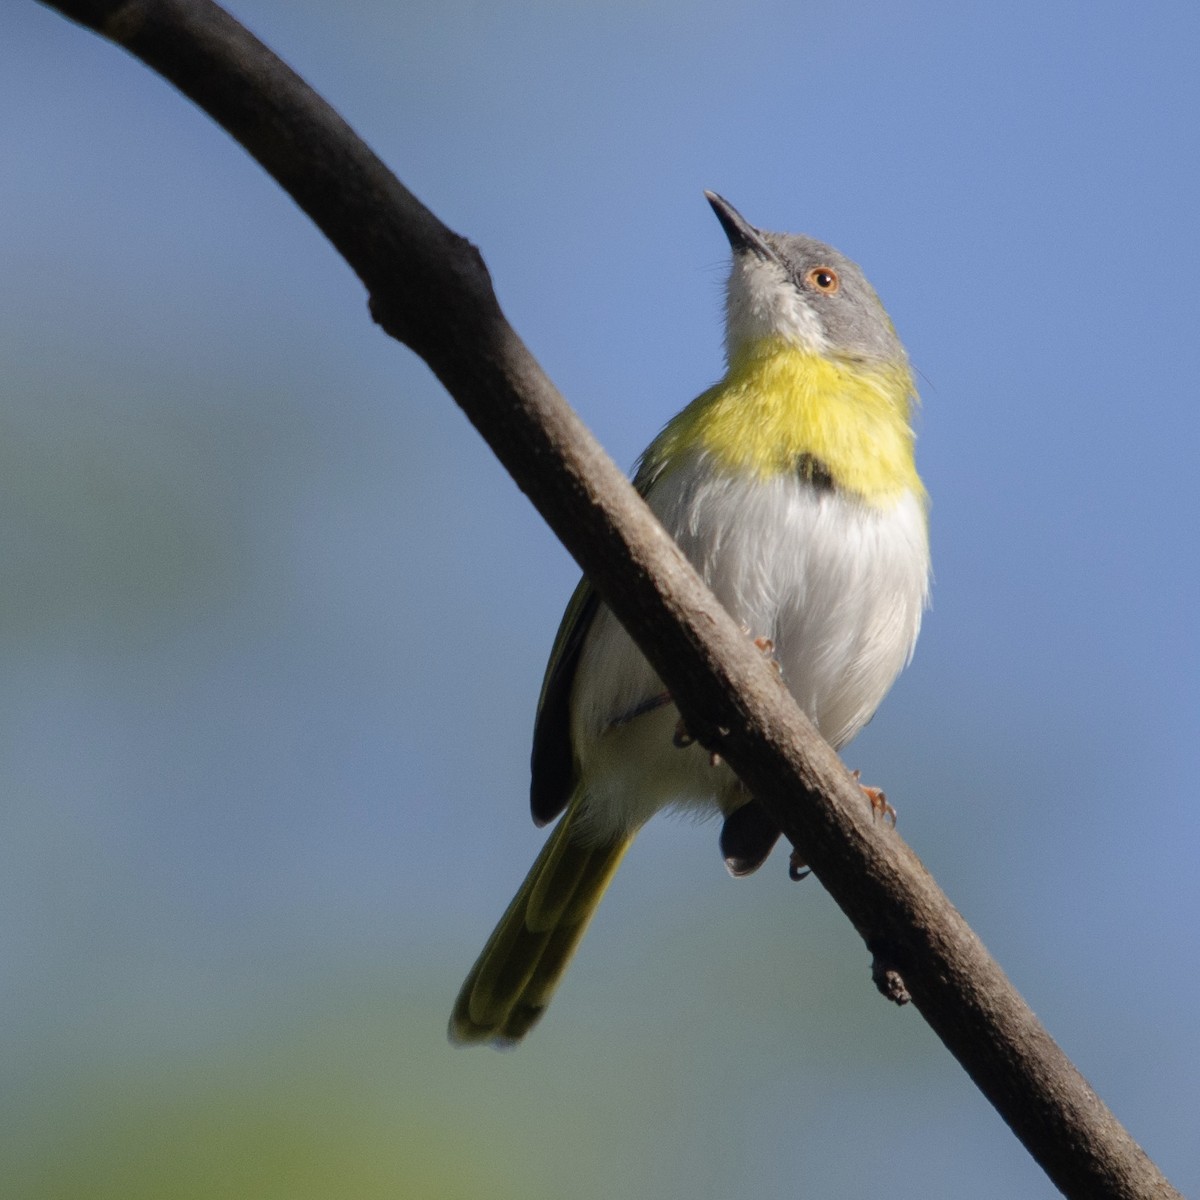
553	759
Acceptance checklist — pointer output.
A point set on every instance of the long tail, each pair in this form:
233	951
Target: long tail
512	981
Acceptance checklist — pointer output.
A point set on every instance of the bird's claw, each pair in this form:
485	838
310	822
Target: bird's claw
798	869
682	739
767	646
879	802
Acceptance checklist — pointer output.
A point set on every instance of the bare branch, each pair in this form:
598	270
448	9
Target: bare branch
429	288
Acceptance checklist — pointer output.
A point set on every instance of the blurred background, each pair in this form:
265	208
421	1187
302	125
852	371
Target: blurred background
273	621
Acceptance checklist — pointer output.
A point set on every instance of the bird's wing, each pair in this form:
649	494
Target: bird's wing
553	759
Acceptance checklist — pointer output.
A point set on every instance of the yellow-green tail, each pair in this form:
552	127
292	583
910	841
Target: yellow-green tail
513	979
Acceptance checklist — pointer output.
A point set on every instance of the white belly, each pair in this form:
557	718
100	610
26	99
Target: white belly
839	587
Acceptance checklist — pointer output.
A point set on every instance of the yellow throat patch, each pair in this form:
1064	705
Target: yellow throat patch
779	405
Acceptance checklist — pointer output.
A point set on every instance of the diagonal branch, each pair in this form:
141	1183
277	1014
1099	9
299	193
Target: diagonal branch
429	288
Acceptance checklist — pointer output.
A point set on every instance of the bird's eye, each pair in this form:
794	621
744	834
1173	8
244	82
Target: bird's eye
824	279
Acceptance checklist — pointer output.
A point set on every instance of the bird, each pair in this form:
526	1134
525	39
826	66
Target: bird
791	486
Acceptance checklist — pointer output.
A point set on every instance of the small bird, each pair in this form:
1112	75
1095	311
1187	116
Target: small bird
791	487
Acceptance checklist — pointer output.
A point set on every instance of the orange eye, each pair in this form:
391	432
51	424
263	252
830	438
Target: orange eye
824	279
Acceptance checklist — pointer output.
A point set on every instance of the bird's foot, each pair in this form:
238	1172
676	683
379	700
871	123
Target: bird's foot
767	646
879	802
798	869
682	739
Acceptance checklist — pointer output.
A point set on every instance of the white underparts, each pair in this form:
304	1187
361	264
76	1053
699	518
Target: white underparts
836	584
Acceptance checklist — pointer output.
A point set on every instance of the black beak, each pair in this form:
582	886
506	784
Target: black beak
743	237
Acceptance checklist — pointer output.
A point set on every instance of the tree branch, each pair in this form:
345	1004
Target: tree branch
429	288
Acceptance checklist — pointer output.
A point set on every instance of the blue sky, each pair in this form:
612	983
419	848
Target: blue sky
273	621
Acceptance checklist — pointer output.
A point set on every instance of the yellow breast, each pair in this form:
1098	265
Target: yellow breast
780	406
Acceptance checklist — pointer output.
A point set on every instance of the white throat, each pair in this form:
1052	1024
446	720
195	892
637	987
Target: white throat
763	302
